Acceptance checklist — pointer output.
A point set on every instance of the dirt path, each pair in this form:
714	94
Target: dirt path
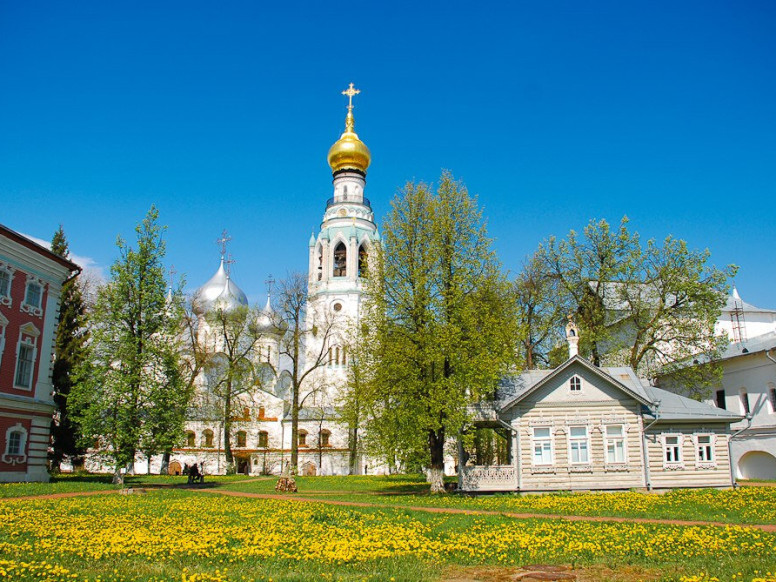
303	499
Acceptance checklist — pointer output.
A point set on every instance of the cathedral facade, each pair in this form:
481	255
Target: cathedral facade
261	426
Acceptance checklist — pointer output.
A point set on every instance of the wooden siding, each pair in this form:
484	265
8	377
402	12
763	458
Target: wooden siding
690	473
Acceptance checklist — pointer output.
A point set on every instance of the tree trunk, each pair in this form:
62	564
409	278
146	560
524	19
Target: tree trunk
295	431
353	449
436	445
165	467
118	476
228	429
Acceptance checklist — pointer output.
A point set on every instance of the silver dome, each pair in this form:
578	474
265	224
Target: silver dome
220	292
268	323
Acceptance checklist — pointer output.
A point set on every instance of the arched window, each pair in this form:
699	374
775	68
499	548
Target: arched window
15	444
207	438
302	438
324	438
337	356
340	260
263	439
262	412
320	262
241	439
363	260
191	439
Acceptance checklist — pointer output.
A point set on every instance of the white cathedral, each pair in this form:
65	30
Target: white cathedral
261	426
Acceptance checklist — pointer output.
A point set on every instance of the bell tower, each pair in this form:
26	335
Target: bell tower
339	253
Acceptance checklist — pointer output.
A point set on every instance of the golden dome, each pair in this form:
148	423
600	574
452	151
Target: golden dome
349	152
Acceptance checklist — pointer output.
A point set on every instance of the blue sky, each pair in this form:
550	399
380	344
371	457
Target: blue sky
553	113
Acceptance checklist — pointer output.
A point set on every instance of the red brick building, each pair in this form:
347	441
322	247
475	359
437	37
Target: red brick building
31	279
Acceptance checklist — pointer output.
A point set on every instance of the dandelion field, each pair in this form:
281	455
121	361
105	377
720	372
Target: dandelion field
195	535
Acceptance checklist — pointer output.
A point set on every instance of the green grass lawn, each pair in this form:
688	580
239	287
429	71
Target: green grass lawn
173	534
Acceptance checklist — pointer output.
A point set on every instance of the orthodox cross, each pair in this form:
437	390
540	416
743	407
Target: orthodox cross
171	272
269	283
221	242
350	92
229	262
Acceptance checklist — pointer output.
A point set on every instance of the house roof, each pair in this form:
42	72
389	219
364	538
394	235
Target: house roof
41	250
734	301
670	406
531	380
677	408
760	343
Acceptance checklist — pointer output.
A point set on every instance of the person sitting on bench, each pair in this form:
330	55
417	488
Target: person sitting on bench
194	475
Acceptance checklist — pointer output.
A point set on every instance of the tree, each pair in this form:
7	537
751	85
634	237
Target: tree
305	344
651	307
70	342
129	398
539	311
442	323
228	355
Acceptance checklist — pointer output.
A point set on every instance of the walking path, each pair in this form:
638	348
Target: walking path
303	499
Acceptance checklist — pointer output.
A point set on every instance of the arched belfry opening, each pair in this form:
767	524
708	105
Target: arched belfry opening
340	260
363	260
319	262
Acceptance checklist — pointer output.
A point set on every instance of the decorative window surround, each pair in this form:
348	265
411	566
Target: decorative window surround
615	445
6	279
575	385
3	326
33	296
579	447
26	357
704	451
15	445
541	446
587	468
672	451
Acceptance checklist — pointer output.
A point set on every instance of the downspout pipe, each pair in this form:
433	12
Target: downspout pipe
656	411
748	418
767	355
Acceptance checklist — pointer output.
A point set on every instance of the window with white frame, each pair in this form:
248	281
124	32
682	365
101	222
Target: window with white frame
672	449
15	444
33	296
25	362
575	384
744	398
705	448
6	276
542	445
615	444
579	446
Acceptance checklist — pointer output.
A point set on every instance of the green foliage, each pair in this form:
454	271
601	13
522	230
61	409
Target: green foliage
69	353
439	319
651	307
129	396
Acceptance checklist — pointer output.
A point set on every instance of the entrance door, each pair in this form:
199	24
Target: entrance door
174	468
243	465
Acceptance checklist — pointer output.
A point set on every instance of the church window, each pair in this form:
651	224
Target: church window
33	297
705	444
542	446
575	384
337	306
263	439
615	444
330	356
363	257
207	438
242	438
324	438
720	398
337	356
302	438
345	191
344	359
262	412
320	262
191	439
744	397
340	260
672	450
771	389
578	445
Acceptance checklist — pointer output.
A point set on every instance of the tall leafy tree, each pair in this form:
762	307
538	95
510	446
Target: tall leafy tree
651	307
69	353
129	397
443	321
